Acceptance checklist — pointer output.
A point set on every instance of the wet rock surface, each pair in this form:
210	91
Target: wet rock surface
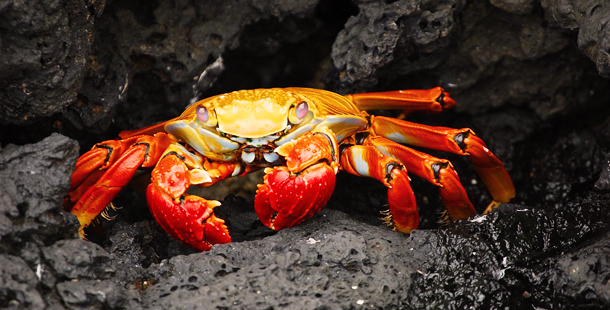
528	77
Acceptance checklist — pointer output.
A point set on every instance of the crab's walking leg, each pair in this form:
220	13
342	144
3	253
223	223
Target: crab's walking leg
439	172
103	171
458	141
100	157
366	160
188	218
429	100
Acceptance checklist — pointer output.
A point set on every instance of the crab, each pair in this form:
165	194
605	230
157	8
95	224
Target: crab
301	137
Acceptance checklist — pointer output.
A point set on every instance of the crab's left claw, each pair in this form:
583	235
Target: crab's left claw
187	218
295	192
191	220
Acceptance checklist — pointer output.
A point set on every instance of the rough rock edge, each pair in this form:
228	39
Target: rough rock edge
590	20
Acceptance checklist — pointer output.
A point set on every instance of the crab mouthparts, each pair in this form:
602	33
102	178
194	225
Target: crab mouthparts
250	157
258	151
263	156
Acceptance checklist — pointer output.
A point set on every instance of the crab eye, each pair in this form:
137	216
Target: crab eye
206	116
202	114
298	113
302	110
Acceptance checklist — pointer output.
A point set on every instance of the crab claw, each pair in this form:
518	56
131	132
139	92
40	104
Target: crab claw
286	199
191	221
293	193
187	218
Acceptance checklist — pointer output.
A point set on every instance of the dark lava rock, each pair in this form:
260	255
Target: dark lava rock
515	257
603	183
589	18
156	58
519	258
413	33
18	284
45	46
35	180
78	259
524	80
486	57
515	6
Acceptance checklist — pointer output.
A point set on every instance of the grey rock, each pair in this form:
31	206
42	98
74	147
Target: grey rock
582	274
18	285
498	59
383	34
79	259
329	259
36	178
588	18
515	6
45	46
517	257
603	183
329	262
97	294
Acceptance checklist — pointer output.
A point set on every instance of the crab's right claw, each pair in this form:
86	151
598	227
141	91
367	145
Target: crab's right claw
295	192
286	200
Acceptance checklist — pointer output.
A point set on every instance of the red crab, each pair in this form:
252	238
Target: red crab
302	137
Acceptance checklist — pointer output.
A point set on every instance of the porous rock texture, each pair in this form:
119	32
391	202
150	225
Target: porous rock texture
529	77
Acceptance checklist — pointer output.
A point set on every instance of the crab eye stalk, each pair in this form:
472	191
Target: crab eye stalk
202	114
298	113
206	116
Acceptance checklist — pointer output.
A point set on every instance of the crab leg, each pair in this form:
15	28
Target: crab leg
93	189
430	100
100	157
439	172
458	141
188	218
366	160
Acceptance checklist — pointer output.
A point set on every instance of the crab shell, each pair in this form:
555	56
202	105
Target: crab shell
262	116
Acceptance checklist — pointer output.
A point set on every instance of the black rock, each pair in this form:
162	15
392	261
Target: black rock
45	47
18	288
35	180
587	18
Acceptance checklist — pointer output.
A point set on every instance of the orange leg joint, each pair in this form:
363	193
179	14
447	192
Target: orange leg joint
365	160
429	100
439	172
458	141
92	190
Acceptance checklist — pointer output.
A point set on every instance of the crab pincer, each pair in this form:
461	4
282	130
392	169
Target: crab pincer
293	193
188	218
